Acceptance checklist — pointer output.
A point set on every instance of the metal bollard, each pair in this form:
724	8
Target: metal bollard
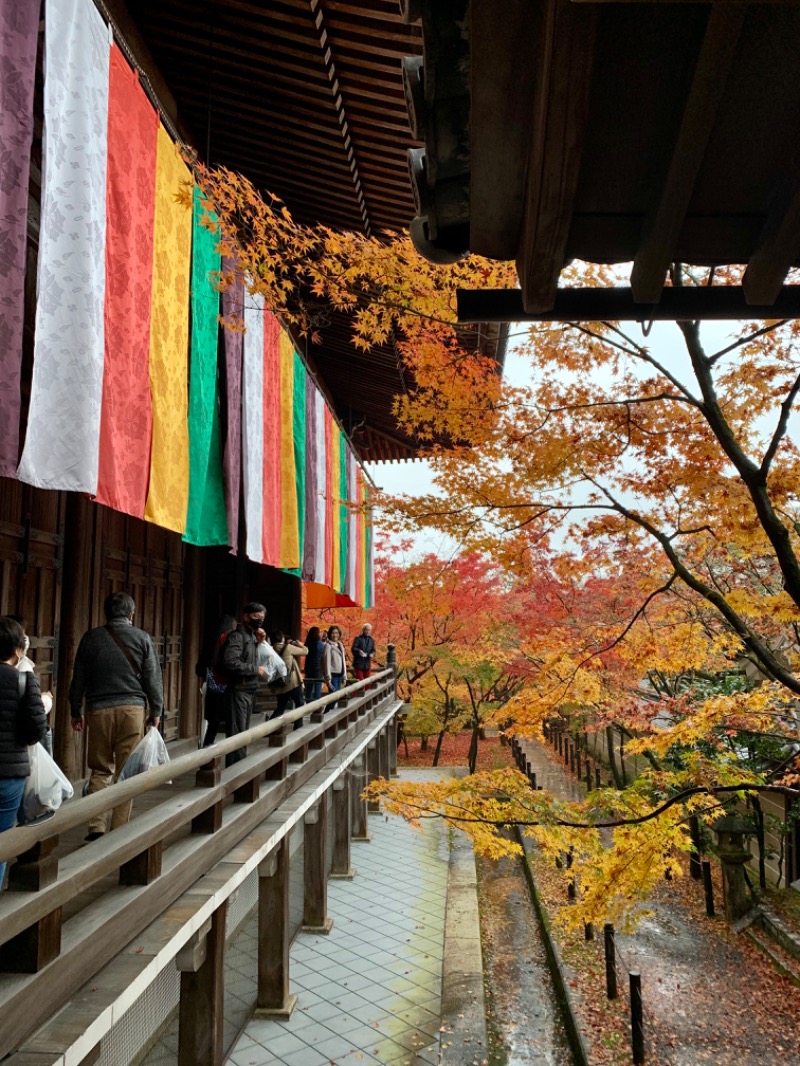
708	886
611	961
637	1019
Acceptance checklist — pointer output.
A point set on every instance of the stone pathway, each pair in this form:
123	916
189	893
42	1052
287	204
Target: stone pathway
370	991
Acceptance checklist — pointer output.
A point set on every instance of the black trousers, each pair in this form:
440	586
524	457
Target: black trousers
240	700
294	696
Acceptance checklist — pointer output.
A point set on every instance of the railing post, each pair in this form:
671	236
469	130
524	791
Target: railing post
315	899
637	1019
36	868
33	948
209	776
358	771
274	999
383	753
611	961
373	773
202	998
143	868
392	733
340	867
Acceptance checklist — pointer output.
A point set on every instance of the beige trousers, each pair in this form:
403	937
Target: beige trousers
113	734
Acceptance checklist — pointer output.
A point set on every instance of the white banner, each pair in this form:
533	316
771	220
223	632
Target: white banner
253	424
62	441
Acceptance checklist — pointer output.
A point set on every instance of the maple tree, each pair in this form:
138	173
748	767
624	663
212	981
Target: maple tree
672	486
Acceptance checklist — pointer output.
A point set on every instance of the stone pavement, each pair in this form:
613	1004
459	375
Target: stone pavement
370	991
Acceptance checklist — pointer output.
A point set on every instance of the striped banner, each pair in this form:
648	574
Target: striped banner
233	341
271	406
289	518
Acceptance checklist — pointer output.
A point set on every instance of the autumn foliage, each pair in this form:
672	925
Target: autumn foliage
629	532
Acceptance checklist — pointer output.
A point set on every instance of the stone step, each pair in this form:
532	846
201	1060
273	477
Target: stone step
783	962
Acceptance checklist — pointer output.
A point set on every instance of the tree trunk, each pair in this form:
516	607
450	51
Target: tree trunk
423	743
438	751
472	758
612	758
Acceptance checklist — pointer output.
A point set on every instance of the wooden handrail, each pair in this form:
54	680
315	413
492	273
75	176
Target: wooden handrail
81	810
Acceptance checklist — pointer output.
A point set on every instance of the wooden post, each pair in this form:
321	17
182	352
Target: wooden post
274	999
315	899
35	869
193	600
202	997
33	948
392	733
383	753
611	961
708	887
358	771
210	774
637	1019
341	868
143	868
373	773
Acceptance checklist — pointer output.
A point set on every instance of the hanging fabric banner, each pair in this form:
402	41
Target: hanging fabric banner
351	587
126	420
233	340
362	541
311	483
169	343
290	533
342	513
271	406
299	430
333	506
253	424
206	520
19	35
62	440
321	455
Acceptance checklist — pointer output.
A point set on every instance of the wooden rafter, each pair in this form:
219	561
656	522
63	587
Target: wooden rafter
662	227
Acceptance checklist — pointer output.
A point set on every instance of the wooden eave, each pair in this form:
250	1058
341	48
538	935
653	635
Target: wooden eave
306	99
616	132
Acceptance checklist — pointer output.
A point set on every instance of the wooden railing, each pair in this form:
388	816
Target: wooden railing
59	924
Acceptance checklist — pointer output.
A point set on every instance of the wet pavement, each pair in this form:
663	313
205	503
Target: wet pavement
525	1021
710	996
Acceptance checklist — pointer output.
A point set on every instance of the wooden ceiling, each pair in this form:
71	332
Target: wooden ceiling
613	132
304	97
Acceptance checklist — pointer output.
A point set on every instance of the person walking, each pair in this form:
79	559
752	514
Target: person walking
241	670
363	651
313	664
291	651
214	683
334	663
117	675
22	722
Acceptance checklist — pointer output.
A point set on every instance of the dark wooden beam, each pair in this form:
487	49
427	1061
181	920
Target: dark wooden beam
662	227
777	249
566	33
618	305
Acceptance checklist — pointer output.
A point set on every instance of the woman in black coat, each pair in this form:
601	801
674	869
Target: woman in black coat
22	722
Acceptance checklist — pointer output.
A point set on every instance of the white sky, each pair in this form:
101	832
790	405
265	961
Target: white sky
665	343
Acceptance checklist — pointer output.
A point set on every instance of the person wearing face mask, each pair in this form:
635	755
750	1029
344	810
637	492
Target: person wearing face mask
240	666
22	722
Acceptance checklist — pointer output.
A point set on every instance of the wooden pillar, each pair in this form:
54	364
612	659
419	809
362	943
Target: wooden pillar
392	733
32	949
383	752
193	601
274	999
373	773
359	812
341	868
202	1000
315	899
76	597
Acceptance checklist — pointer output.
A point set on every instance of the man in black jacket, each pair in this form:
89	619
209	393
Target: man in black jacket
241	670
117	673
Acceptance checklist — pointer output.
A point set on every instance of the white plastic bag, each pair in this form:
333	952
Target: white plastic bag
46	787
272	663
148	753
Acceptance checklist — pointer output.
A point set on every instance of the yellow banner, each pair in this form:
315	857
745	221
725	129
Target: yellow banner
168	497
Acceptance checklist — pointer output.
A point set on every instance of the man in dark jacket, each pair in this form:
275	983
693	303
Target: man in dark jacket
117	673
363	651
241	670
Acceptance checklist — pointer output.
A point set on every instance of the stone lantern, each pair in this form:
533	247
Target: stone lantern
732	831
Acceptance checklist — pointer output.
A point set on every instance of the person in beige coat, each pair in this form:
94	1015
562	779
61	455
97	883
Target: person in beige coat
291	691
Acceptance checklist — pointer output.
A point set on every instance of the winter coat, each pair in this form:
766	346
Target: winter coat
240	658
291	655
103	676
13	754
363	651
333	660
313	666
